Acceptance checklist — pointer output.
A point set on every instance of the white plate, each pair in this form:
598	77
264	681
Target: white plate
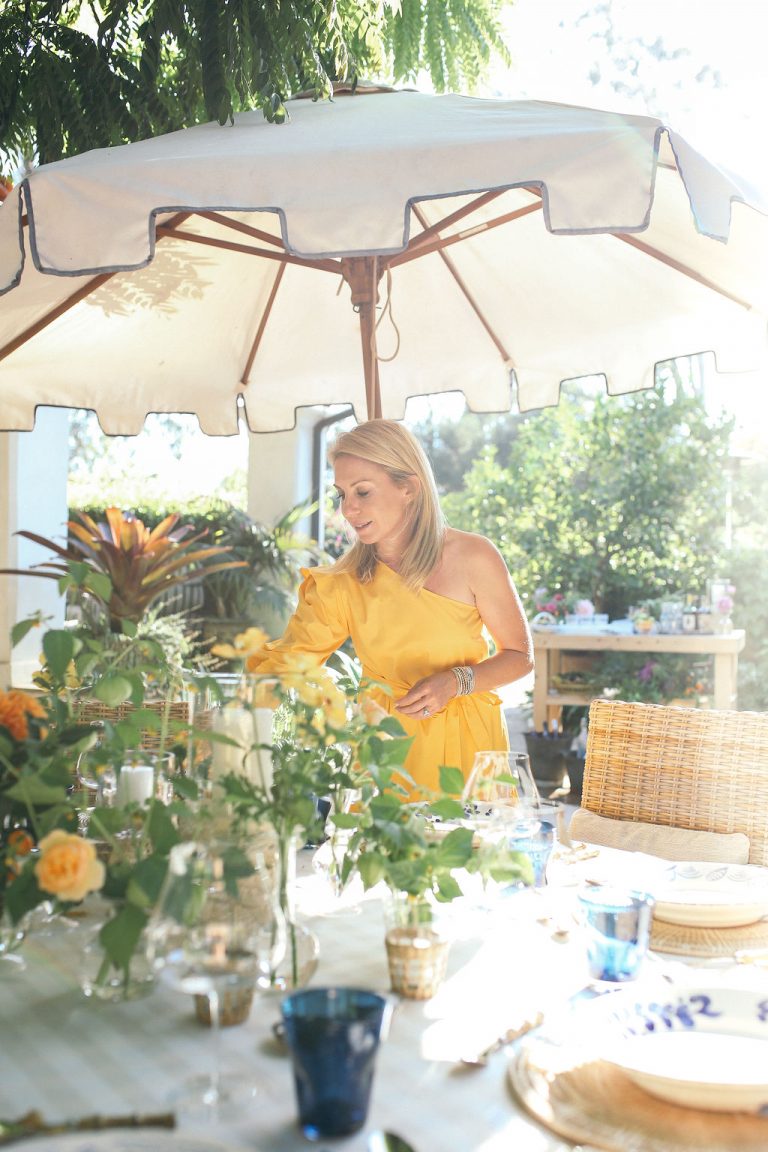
712	895
126	1140
701	1047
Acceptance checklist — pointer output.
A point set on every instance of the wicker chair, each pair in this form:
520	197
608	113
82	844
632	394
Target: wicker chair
681	767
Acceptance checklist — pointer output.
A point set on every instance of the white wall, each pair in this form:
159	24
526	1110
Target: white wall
33	497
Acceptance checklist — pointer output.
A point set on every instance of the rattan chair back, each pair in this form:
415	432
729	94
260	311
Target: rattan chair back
681	767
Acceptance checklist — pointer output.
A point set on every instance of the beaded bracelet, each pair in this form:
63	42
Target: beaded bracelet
465	679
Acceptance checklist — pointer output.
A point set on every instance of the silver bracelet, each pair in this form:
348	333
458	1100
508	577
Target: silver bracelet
465	679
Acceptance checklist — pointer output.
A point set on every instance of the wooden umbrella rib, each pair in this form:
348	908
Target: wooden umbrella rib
436	244
55	313
470	298
81	293
649	250
245	229
262	325
684	269
323	265
453	218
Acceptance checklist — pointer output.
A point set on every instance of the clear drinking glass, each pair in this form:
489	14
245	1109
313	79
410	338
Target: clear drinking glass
217	932
497	786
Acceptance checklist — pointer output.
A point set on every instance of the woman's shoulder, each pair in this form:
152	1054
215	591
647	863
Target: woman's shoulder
327	578
469	548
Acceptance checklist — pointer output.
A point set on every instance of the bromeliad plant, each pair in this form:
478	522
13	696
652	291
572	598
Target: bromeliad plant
119	567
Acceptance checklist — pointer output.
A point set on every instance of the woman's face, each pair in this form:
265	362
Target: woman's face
371	502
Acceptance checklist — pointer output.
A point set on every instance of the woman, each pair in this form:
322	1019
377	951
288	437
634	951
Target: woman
415	596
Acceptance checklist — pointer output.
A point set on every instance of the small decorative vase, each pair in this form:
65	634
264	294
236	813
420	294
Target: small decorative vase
98	977
11	939
417	946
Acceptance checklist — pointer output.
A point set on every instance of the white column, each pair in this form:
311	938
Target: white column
33	497
280	468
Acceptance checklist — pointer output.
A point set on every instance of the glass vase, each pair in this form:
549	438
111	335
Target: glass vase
302	947
11	939
99	978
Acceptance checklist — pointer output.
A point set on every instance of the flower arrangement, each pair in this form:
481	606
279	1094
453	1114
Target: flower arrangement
552	608
39	739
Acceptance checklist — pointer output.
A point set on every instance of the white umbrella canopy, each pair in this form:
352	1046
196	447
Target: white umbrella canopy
381	246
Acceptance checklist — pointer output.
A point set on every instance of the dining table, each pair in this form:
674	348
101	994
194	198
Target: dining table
516	955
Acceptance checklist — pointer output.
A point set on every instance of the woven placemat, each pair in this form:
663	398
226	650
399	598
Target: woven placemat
688	940
589	1101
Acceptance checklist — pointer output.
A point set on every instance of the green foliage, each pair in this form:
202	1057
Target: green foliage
394	842
123	566
271	560
621	498
150	66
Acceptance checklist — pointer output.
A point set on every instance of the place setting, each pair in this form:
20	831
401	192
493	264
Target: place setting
651	1057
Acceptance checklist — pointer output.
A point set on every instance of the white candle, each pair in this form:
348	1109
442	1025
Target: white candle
135	784
259	763
247	727
237	725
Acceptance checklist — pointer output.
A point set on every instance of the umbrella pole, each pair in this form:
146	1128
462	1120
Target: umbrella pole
363	275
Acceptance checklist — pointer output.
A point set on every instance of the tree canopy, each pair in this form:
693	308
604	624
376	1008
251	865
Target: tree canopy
618	499
80	75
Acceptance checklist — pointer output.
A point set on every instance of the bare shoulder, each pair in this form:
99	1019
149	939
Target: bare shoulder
472	551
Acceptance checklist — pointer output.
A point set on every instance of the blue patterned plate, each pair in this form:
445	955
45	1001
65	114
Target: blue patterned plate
700	1047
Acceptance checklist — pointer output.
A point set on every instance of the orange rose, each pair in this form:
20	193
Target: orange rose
15	708
68	866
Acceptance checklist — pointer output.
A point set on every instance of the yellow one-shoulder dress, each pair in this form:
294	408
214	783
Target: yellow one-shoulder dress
399	636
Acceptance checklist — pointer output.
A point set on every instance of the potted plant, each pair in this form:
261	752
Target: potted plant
396	842
122	655
261	592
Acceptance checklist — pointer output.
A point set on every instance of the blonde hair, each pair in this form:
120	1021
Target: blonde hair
396	450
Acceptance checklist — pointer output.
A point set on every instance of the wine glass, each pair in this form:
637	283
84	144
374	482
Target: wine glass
499	779
504	807
216	932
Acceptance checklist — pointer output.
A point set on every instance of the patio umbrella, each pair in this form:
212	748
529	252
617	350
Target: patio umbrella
376	247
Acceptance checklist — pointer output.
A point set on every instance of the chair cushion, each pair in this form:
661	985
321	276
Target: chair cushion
659	839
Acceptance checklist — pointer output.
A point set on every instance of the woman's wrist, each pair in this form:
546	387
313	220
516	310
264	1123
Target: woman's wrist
465	679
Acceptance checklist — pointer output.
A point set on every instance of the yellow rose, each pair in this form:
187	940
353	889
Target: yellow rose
68	866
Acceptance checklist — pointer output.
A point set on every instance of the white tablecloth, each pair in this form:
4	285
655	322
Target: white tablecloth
68	1056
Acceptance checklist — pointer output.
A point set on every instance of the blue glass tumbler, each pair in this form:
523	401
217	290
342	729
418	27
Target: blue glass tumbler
333	1035
617	926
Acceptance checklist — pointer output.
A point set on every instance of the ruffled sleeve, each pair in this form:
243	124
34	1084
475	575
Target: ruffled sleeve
317	628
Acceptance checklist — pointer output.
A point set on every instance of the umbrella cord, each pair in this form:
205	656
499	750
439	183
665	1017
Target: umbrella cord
387	309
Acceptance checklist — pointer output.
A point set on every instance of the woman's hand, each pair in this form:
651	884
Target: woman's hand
429	695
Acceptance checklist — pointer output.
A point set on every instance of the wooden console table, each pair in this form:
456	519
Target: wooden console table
550	647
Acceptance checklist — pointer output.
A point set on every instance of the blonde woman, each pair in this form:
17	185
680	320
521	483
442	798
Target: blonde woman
418	599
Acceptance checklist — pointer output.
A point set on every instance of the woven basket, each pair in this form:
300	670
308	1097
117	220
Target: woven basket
680	767
93	711
418	958
234	1007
